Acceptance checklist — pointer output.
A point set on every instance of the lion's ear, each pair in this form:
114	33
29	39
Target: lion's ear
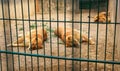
69	37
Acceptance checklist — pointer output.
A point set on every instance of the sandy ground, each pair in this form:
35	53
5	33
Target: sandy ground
52	47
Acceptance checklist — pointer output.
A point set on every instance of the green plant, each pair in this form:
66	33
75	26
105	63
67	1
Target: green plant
21	29
33	26
50	30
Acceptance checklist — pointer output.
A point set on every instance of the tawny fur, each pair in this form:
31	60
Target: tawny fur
36	39
102	17
70	38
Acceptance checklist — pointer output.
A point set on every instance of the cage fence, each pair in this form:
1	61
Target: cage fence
59	35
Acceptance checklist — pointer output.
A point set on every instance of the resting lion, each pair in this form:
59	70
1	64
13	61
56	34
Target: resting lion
69	38
102	17
34	42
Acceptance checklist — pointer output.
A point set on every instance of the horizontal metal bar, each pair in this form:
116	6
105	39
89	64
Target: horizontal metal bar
67	21
64	58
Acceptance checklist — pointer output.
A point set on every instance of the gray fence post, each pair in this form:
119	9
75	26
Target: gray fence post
7	31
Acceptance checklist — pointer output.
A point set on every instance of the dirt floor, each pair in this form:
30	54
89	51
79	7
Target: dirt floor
52	47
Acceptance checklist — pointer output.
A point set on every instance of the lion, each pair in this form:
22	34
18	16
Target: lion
71	39
102	17
35	41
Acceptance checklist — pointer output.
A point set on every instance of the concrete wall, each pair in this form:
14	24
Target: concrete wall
18	8
46	6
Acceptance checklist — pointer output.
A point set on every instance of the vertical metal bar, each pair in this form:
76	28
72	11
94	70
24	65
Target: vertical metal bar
23	25
36	29
89	33
30	31
57	31
118	32
0	63
97	35
44	51
16	32
43	36
0	60
50	32
72	34
44	55
90	2
42	3
65	28
116	14
10	30
6	32
106	35
80	32
4	25
0	46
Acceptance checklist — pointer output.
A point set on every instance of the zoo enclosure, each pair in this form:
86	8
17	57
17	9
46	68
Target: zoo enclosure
8	14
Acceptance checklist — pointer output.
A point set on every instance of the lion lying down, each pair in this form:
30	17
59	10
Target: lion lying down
34	42
70	40
102	17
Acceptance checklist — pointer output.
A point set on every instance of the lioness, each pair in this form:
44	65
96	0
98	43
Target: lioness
34	41
102	17
71	39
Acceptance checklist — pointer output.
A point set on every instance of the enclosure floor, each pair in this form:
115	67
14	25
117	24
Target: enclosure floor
52	48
